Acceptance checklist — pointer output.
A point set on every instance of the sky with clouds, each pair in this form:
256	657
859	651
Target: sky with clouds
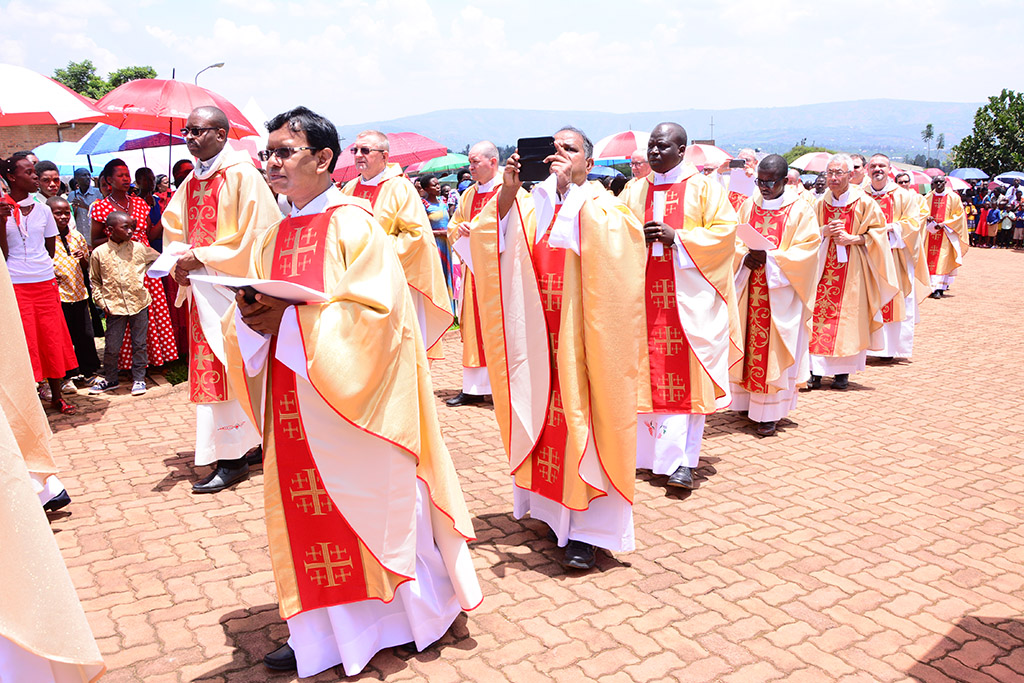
367	60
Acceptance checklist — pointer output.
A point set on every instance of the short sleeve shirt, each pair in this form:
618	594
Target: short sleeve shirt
27	260
139	210
68	269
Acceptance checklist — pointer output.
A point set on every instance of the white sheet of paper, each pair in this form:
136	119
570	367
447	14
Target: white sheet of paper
289	291
740	182
752	238
163	264
461	247
658	214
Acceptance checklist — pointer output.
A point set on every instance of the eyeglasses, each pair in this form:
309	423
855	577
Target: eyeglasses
836	174
902	182
281	153
195	131
637	163
767	183
364	150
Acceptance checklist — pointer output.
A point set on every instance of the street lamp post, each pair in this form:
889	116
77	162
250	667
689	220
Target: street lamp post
212	66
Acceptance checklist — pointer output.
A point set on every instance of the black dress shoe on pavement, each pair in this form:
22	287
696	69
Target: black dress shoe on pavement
841	382
682	477
254	456
815	382
936	294
766	429
222	478
578	555
464	399
57	502
281	659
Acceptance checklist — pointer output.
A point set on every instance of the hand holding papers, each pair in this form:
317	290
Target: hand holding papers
740	182
754	240
162	266
291	292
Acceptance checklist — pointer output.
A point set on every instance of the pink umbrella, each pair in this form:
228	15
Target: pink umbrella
406	148
934	172
813	162
620	145
706	155
28	98
957	184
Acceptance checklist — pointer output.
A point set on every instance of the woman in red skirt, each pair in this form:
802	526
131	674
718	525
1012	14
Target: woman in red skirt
28	244
162	347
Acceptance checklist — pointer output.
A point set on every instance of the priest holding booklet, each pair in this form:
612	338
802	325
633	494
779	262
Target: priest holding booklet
365	516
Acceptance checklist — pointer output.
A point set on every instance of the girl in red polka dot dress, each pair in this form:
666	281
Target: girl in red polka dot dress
160	339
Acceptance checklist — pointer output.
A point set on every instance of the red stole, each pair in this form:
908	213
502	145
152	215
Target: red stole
367	192
547	475
771	224
480	200
325	549
668	348
736	200
207	381
886	203
934	245
829	296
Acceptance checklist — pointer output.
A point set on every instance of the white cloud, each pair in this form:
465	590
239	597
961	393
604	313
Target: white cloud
256	6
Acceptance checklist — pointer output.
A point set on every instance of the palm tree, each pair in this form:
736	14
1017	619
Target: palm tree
926	135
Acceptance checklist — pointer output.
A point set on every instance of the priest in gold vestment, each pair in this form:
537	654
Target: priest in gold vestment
365	516
224	198
775	295
691	330
559	274
399	210
946	238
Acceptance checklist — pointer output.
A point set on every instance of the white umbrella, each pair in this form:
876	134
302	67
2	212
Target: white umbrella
28	98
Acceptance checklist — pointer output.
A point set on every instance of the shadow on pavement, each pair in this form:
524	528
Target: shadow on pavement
976	649
181	469
91	409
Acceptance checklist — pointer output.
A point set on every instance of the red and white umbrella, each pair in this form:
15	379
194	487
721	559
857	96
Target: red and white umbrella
706	155
28	98
934	172
916	177
957	184
813	162
620	146
406	148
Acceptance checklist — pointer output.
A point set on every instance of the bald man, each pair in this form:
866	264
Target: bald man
483	168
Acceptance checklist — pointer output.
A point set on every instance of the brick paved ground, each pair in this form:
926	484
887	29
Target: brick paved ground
877	538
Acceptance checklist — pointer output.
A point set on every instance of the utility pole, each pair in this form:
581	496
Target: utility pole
712	127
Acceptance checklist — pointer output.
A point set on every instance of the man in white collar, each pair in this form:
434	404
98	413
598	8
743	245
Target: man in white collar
948	238
858	278
639	167
365	517
775	294
224	200
904	217
691	332
483	168
559	275
399	210
859	173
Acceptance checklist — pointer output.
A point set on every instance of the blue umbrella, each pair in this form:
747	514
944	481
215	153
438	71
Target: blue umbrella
65	155
1009	177
808	177
602	172
104	138
969	174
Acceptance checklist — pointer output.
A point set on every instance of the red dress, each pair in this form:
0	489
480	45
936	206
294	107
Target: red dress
160	343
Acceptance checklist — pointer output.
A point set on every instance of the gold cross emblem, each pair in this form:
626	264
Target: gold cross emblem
555	413
549	466
299	255
551	290
765	227
201	192
327	564
670	388
311	495
663	293
671	202
291	422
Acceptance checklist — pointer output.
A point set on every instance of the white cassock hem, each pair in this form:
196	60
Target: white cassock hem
764	407
667	441
838	365
17	664
897	340
476	381
422	612
223	432
943	282
607	523
47	487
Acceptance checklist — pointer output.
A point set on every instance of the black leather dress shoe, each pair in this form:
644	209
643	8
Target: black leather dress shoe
815	382
464	399
682	477
221	478
841	382
254	456
578	555
766	428
281	659
57	502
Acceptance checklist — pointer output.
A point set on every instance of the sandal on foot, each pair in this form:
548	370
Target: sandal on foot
66	408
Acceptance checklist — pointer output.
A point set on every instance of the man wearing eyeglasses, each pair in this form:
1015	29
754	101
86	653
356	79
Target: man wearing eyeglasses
639	166
365	517
947	238
775	297
398	208
859	174
223	200
858	278
904	218
691	332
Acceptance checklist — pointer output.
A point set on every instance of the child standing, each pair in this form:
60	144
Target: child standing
116	269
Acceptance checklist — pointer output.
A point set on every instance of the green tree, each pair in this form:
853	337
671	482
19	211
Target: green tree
801	149
81	77
996	143
130	73
927	135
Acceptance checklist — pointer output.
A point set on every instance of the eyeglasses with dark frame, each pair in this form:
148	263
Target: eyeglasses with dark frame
196	131
768	183
281	153
365	150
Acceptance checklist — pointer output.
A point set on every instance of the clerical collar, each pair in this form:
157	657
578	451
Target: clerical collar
316	205
375	180
206	168
484	188
944	192
841	200
670	178
773	204
889	185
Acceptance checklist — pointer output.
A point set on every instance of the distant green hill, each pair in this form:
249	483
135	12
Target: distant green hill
863	125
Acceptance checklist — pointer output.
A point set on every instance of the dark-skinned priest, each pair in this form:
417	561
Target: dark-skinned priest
224	198
691	331
775	295
365	516
559	276
946	239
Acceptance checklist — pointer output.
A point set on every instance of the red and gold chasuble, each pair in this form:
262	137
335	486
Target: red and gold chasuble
829	296
548	455
668	348
207	380
736	200
480	200
325	550
886	204
367	192
934	244
771	224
